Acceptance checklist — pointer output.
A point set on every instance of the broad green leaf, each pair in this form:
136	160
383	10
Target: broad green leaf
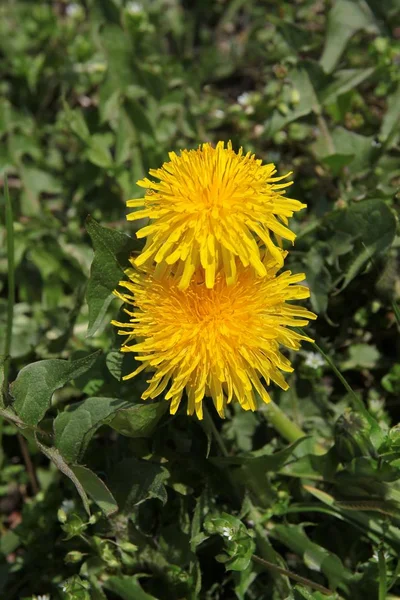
318	278
135	481
120	56
350	147
270	462
127	588
138	420
25	330
345	18
302	593
36	383
77	123
348	142
344	81
361	355
308	102
99	152
316	557
75	427
373	227
9	542
336	162
112	249
35	182
96	489
138	117
114	361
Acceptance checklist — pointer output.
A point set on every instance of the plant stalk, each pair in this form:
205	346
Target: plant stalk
11	282
302	580
282	424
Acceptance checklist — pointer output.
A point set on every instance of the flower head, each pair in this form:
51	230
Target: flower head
222	342
209	206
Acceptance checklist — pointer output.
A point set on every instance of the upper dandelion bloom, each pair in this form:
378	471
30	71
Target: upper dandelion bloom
222	342
209	206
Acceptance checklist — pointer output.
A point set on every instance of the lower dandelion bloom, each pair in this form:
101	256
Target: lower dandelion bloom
210	206
222	342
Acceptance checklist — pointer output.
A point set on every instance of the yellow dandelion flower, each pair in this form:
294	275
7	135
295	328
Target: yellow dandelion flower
209	206
222	342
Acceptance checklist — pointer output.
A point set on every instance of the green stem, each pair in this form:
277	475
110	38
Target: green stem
282	424
217	437
356	400
282	571
382	575
11	280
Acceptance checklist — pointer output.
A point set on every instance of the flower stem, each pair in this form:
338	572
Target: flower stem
282	424
11	282
282	571
217	437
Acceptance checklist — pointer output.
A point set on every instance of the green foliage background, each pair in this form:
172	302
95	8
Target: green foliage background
101	495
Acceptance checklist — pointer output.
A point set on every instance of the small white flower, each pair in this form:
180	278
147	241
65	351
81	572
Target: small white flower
73	10
68	506
134	8
375	556
314	360
376	405
243	99
43	597
218	113
227	532
64	587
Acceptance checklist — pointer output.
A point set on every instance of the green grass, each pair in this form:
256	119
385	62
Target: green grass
297	500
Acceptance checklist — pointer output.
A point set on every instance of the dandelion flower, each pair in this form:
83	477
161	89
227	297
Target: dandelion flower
209	206
222	342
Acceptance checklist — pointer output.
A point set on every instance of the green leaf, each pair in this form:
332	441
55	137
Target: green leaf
344	81
119	52
316	557
36	383
336	162
127	588
99	152
135	481
239	544
391	120
308	102
36	181
9	542
75	427
261	461
350	147
139	420
138	117
318	278
363	356
112	249
302	593
77	123
96	489
345	18
373	227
